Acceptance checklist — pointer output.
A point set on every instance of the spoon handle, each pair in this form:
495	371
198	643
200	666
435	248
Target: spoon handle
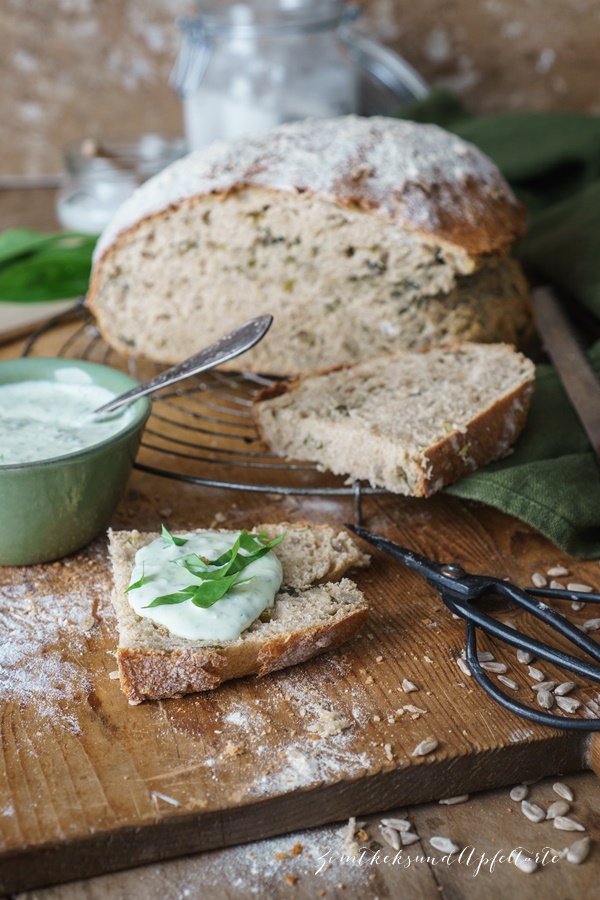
226	348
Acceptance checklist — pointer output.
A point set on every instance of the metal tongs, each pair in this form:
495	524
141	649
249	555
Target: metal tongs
463	594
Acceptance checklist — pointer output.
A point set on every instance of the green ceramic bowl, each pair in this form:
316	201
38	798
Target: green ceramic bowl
54	507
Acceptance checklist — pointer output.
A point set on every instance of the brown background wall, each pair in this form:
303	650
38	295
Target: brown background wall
75	67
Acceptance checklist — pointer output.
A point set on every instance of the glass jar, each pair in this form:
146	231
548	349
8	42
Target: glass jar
101	174
245	67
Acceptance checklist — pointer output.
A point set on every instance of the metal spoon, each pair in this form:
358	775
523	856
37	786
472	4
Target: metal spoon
226	348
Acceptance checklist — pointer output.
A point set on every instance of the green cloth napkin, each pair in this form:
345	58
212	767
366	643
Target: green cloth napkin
552	162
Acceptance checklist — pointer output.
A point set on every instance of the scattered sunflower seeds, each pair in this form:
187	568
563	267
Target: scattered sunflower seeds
591	625
497	668
580	588
557	571
543	686
408	686
485	656
557	586
563	790
509	682
577	605
536	674
545	699
565	688
445	845
579	851
524	657
452	801
539	580
463	666
525	864
564	823
398	824
519	792
407	838
558	808
568	704
390	836
427	746
532	811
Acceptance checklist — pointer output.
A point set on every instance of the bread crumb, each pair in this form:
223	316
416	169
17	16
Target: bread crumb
233	749
369	679
280	856
329	723
291	879
113	675
296	849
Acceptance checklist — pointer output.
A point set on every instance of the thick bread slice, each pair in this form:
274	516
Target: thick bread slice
410	421
359	235
306	620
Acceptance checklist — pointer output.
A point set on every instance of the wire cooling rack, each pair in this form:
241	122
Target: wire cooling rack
201	431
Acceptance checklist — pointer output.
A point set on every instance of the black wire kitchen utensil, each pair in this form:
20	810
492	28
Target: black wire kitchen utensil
462	594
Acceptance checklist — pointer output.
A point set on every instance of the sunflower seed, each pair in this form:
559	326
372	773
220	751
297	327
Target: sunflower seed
497	668
408	686
508	682
398	824
564	823
524	657
558	808
579	851
557	586
563	790
407	838
452	801
390	836
519	792
485	656
577	605
580	588
536	674
463	666
565	688
545	699
444	844
591	625
557	571
543	686
532	811
568	704
539	580
427	746
525	864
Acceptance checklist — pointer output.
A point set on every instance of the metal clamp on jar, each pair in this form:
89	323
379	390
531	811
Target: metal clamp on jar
245	67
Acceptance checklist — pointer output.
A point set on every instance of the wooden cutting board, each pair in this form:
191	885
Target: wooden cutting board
89	784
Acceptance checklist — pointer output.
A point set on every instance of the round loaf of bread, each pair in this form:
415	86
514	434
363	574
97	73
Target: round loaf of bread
359	235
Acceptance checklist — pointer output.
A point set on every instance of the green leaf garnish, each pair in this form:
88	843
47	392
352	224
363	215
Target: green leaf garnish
224	571
169	538
139	583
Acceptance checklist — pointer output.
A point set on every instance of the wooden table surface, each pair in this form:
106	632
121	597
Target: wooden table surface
311	864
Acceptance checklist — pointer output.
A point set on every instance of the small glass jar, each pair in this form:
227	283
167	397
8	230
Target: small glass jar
245	67
101	174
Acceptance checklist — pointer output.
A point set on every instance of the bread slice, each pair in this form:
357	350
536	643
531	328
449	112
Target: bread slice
359	235
411	421
311	615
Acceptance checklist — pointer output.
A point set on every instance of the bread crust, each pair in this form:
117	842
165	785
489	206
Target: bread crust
154	665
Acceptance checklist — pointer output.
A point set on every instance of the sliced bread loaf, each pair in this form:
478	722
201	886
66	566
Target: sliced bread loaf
360	236
310	615
410	421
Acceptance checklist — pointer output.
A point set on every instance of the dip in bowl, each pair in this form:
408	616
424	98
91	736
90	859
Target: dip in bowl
62	471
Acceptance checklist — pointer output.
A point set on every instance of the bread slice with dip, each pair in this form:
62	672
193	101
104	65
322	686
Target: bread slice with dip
293	603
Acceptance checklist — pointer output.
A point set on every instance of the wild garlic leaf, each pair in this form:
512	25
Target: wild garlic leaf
177	597
209	592
140	582
169	538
